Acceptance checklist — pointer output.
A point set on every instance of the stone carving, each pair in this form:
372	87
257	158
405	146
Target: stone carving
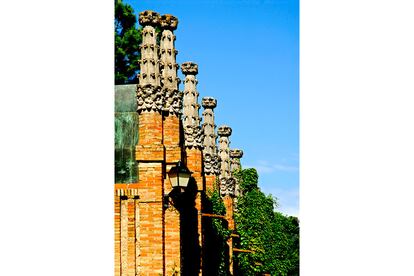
168	66
149	18
149	95
211	164
193	133
168	22
209	141
149	99
189	68
209	102
173	101
227	186
224	142
193	136
235	155
224	131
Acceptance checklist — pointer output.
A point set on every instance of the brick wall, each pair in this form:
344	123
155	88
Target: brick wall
210	182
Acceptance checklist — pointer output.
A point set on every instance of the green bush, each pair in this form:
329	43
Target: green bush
272	236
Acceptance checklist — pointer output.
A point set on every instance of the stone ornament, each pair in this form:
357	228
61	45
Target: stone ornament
224	131
168	66
209	138
227	186
193	136
149	18
149	99
173	101
149	95
208	102
211	164
168	22
236	153
193	133
213	161
189	68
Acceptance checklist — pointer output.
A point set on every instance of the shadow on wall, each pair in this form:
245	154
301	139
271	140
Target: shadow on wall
189	231
215	249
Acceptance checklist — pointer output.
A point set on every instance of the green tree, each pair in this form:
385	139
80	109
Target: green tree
215	249
272	236
127	40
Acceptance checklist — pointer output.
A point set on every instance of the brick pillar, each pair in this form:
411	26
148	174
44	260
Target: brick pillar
210	157
125	230
117	228
150	152
193	146
171	135
227	184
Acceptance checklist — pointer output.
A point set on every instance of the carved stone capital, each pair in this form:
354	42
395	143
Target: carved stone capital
149	98
236	153
193	136
208	102
173	102
189	68
211	164
168	22
224	131
149	18
227	186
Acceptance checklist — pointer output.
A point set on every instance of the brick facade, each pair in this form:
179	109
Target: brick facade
155	232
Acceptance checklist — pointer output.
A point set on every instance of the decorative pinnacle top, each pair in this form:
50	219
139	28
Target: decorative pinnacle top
236	153
208	102
168	22
224	131
189	68
149	18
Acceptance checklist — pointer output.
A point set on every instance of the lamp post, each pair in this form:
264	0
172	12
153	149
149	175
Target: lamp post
179	176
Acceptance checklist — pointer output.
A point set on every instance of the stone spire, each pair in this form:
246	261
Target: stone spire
169	80
235	155
211	160
224	132
149	96
191	120
227	183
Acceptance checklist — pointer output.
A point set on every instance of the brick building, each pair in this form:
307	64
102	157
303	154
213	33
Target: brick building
159	230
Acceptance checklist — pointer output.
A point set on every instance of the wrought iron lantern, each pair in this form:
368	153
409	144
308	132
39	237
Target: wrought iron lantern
179	176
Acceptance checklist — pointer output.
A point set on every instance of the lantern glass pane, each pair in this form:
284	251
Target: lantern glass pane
173	179
184	178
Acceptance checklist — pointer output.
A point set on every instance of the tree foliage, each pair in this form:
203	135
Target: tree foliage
127	40
272	236
215	259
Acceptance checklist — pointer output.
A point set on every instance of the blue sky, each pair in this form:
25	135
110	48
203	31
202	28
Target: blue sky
248	57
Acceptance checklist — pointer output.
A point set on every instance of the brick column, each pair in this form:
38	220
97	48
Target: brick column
117	228
210	157
126	217
193	145
171	134
150	152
